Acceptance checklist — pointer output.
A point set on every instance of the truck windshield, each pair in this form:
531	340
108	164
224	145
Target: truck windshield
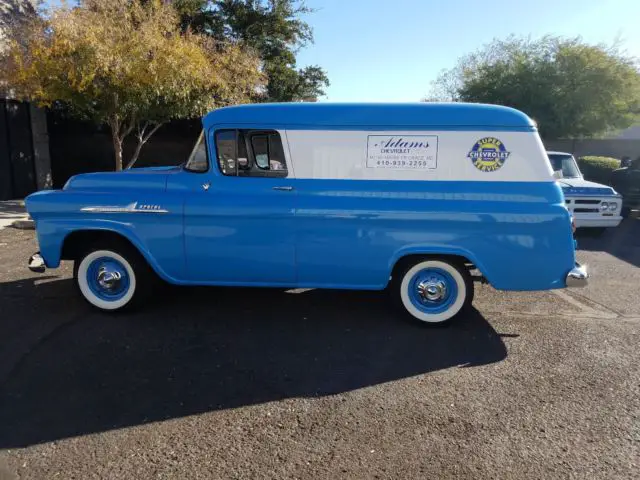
565	163
197	161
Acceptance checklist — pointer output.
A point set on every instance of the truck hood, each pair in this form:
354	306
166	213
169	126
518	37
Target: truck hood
580	186
154	178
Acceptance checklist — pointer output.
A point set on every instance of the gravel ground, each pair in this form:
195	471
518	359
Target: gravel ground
244	383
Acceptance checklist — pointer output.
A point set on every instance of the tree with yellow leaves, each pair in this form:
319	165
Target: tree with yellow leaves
127	64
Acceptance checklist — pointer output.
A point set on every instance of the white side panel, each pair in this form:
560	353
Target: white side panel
341	154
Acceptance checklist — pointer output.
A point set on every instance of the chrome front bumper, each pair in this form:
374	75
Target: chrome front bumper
36	263
601	221
577	277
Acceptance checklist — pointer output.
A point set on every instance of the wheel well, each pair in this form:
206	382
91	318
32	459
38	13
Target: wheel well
77	242
404	262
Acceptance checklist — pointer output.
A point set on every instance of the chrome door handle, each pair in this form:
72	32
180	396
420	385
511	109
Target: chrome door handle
286	189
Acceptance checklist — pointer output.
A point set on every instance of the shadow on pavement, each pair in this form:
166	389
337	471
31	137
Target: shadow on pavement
205	349
622	242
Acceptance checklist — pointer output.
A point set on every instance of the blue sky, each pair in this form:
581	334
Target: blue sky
390	50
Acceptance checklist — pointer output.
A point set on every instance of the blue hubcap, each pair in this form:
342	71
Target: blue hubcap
108	278
433	290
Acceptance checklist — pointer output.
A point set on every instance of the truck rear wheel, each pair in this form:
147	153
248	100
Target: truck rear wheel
111	278
434	290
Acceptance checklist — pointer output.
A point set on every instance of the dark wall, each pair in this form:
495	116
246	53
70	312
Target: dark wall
17	167
22	160
6	181
81	147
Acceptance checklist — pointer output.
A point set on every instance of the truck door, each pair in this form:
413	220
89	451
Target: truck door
238	221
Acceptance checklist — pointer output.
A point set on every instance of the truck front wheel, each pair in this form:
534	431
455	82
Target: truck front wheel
111	279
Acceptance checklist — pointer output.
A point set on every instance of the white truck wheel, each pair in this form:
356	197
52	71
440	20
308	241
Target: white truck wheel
433	291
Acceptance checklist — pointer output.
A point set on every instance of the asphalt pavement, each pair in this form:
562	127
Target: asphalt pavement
261	383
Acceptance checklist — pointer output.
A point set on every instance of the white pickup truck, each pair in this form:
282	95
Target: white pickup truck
591	204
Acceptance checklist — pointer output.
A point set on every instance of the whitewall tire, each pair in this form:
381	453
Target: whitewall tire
106	279
433	291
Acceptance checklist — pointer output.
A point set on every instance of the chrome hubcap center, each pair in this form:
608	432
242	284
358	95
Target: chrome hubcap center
109	279
432	290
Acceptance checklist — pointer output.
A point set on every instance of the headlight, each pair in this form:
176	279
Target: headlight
613	206
604	206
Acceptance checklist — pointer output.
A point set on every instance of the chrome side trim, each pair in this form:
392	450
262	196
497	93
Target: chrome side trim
131	208
578	276
36	263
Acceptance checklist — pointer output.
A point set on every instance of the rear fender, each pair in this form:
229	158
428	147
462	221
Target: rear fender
436	250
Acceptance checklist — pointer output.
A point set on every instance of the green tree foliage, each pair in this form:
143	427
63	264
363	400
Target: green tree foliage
273	28
126	64
570	88
598	169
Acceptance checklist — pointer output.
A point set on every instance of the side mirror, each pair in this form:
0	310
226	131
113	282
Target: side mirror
558	174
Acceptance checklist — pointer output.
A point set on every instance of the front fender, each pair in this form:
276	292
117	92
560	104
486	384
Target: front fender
53	233
158	235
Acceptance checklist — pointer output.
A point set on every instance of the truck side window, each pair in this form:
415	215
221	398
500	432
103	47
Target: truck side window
250	153
260	145
198	161
226	147
276	154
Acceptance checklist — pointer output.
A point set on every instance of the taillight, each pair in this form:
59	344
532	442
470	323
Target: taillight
573	225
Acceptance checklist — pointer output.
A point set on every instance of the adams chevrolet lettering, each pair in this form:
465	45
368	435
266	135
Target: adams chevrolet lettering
409	151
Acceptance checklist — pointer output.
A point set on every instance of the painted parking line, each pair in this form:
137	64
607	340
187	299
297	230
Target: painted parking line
585	310
551	303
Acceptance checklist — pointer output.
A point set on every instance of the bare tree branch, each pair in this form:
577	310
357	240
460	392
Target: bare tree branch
142	139
140	133
152	131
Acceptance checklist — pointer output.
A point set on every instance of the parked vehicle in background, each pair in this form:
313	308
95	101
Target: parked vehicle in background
626	180
592	205
625	162
413	198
